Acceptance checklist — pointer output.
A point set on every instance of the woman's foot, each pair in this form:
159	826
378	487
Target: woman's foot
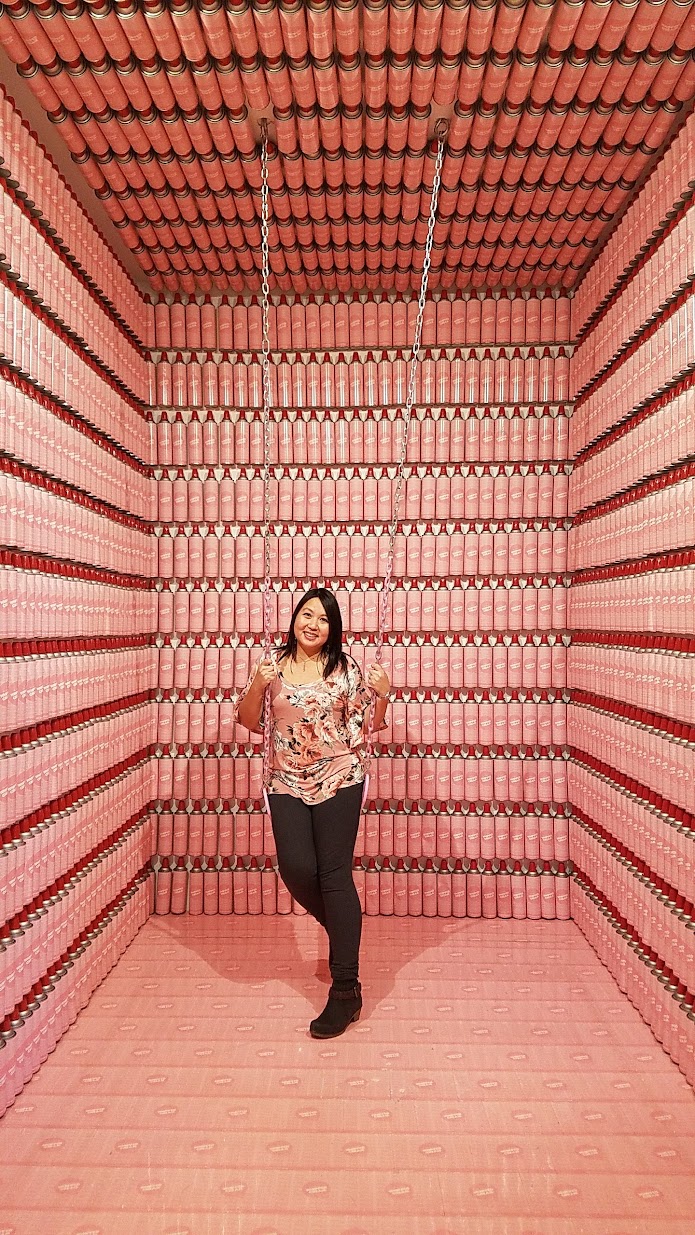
343	1007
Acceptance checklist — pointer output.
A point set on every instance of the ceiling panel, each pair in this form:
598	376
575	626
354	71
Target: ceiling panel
554	110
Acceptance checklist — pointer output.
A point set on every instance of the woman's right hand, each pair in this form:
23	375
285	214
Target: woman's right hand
265	672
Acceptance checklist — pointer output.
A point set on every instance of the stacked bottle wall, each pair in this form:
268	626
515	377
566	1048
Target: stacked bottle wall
469	785
77	666
632	660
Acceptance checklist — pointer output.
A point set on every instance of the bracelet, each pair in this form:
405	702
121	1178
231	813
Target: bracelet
387	698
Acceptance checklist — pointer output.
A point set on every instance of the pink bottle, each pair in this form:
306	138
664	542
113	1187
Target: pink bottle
474	907
179	887
386	891
400	889
225	890
253	887
429	890
372	889
269	888
518	891
533	895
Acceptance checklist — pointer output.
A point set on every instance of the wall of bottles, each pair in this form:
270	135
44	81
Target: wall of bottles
78	718
631	664
469	809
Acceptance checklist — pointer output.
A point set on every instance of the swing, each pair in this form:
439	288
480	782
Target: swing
440	132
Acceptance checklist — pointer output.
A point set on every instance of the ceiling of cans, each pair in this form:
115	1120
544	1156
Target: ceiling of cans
554	108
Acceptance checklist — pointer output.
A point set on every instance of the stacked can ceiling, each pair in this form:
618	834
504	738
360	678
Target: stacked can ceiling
554	107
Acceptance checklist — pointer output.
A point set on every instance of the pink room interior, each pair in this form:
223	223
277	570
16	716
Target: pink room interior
531	800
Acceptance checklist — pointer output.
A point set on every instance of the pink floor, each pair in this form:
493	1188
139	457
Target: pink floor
497	1084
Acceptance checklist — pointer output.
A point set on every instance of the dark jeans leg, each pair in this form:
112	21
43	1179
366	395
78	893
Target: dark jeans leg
335	825
315	846
297	862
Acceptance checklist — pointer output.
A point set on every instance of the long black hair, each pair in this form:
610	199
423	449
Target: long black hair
332	651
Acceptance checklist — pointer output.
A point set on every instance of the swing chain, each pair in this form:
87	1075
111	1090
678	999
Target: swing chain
265	364
407	413
265	293
410	398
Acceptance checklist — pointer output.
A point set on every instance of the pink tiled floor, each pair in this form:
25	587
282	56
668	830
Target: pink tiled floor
497	1084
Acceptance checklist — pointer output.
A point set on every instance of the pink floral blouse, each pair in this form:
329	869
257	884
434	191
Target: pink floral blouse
318	736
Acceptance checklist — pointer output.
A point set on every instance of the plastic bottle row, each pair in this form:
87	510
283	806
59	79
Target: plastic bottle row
398	890
35	939
468	724
661	842
496	492
663	356
649	907
658	999
670	183
510	663
361	321
429	556
55	764
662	601
28	164
537	491
35	688
507	607
52	440
658	518
30	1032
34	345
37	264
43	516
34	605
405	41
443	777
225	831
206	719
498	722
42	849
664	274
653	758
27	736
670	728
648	445
659	681
363	436
507	378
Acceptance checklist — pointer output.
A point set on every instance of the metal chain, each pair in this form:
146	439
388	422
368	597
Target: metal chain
410	399
407	413
265	365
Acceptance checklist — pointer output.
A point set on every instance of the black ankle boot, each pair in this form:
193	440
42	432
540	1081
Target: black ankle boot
342	1009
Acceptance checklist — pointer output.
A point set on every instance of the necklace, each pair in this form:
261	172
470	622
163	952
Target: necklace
312	661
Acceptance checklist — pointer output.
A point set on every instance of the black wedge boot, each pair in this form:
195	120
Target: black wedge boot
343	1007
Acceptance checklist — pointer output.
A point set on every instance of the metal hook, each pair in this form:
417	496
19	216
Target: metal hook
441	128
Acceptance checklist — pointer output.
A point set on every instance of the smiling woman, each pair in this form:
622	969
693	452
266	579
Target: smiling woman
319	712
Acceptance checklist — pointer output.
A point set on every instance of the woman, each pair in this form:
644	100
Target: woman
320	711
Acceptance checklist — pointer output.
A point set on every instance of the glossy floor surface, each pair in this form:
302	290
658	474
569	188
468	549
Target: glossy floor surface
497	1084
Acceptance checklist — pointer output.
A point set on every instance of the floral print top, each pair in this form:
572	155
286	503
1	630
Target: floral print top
318	737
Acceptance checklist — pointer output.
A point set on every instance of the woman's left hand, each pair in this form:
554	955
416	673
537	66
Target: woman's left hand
378	680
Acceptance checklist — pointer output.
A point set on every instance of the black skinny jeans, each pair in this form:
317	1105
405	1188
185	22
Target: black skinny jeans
315	845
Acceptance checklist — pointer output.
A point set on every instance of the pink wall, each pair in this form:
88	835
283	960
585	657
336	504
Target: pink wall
77	669
470	786
631	663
